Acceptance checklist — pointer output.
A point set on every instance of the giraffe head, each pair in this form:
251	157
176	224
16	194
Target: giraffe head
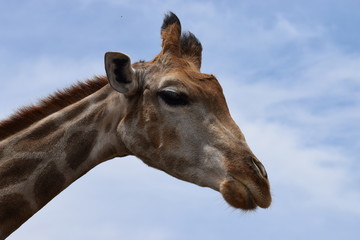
177	120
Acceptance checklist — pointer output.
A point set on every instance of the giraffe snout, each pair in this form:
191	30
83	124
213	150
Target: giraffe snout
260	168
247	185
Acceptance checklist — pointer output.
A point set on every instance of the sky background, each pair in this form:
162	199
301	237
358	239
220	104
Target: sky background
291	75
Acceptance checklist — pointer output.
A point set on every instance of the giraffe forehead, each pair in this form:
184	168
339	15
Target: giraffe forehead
187	81
179	72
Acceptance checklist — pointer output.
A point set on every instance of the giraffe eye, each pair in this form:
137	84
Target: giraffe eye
173	98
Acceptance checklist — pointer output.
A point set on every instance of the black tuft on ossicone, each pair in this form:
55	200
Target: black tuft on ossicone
170	18
190	44
191	47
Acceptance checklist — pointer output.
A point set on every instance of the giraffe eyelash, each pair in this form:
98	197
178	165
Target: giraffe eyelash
173	98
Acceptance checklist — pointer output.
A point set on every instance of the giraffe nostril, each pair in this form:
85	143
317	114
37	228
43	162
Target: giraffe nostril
260	168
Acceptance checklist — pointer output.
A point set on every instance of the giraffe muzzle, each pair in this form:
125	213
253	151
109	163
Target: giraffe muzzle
243	195
247	185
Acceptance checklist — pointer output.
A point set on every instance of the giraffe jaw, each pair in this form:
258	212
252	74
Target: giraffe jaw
244	196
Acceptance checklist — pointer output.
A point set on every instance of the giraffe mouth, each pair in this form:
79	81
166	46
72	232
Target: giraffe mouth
244	196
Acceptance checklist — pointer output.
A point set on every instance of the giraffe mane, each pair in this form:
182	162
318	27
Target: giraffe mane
26	116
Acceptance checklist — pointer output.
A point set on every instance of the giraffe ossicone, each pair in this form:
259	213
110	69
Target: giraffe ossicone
164	111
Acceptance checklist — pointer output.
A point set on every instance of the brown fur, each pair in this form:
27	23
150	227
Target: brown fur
76	111
44	144
108	127
76	158
99	113
171	136
16	170
191	48
170	34
49	183
14	210
42	131
61	99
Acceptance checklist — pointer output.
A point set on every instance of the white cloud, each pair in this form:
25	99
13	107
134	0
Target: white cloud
33	79
321	172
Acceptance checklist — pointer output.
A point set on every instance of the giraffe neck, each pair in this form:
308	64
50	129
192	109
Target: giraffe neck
39	162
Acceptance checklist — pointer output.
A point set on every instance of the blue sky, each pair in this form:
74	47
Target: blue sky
290	72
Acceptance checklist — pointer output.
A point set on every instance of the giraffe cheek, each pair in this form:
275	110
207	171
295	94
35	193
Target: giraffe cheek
154	136
152	122
171	136
133	137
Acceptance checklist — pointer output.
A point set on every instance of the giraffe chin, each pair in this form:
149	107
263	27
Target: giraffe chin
238	195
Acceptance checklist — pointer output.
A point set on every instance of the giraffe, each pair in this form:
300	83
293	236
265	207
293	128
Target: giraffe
164	111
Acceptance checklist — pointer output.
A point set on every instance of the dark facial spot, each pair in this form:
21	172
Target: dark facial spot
49	183
147	119
76	111
108	127
14	211
151	127
78	148
142	143
140	123
171	136
42	131
153	135
17	170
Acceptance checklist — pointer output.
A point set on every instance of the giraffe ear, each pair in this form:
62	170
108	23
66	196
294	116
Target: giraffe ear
120	73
